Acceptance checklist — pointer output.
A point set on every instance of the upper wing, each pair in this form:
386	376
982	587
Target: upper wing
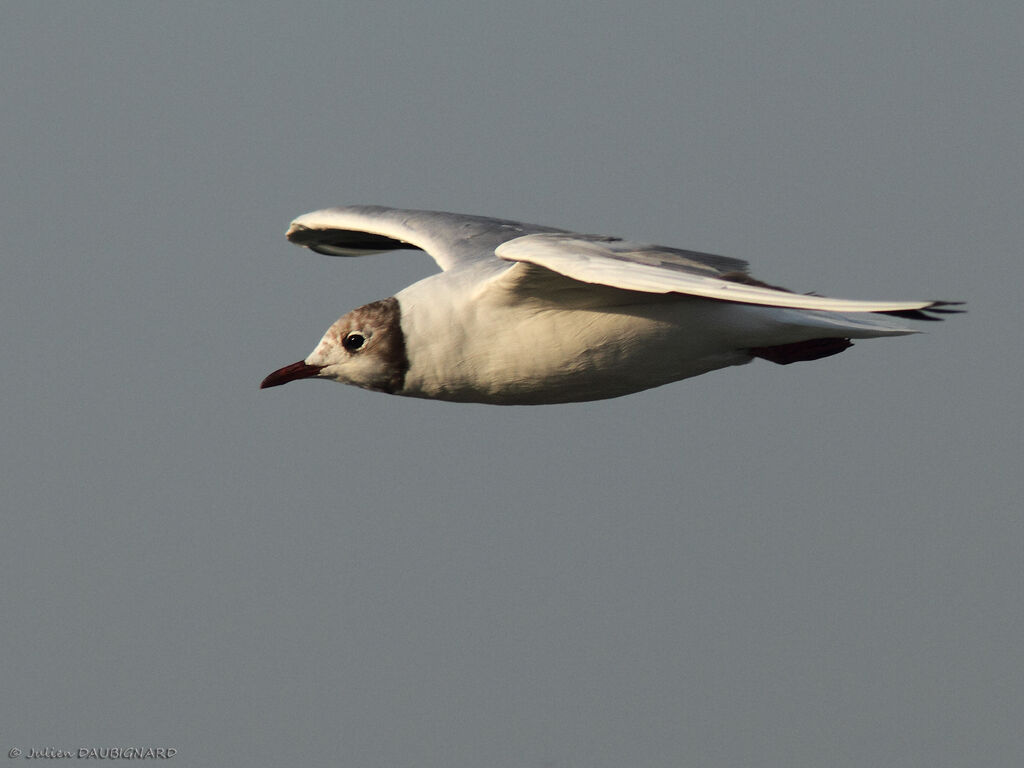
656	269
449	238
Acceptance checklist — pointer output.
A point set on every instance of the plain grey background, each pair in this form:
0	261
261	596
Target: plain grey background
817	565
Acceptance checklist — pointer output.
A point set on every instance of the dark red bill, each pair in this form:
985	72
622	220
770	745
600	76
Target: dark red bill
299	370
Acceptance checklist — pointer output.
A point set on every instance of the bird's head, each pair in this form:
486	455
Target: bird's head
366	348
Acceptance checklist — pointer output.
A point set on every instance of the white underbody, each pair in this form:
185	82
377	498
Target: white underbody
586	342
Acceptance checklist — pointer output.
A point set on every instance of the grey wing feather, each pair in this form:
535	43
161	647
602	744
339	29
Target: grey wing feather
449	238
654	269
660	255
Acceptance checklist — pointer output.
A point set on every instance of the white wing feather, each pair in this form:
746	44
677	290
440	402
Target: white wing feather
637	267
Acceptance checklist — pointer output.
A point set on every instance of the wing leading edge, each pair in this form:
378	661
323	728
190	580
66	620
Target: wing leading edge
655	269
450	239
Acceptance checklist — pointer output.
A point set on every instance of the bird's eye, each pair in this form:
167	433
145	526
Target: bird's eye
353	341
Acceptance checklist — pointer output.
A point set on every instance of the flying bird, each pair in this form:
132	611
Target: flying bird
523	314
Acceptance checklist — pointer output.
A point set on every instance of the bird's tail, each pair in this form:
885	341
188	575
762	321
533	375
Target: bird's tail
813	334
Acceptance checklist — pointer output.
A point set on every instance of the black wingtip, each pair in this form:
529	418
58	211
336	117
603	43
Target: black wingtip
925	313
336	242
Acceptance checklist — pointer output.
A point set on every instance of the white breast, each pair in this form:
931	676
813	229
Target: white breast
472	349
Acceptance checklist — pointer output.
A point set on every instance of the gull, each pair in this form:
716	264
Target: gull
523	314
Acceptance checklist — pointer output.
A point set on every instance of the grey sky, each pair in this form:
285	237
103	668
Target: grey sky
803	566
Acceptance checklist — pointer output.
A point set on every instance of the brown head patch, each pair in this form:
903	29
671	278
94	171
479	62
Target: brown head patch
387	343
